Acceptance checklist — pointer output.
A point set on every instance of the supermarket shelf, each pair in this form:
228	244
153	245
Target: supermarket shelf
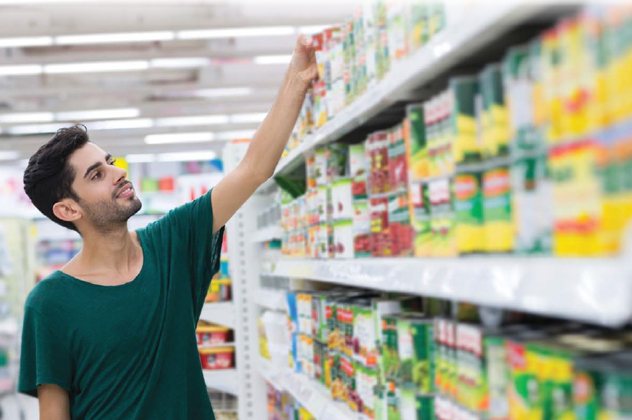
267	234
222	313
312	395
272	299
484	26
594	290
224	380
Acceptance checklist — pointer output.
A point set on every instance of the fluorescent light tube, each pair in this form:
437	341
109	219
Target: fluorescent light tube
26	117
21	70
97	114
115	38
236	32
96	67
255	117
180	63
120	124
140	158
32	41
9	154
233	135
195	156
273	59
221	92
179	138
193	120
313	29
35	128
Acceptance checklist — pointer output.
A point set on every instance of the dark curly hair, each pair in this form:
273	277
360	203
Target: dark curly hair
48	177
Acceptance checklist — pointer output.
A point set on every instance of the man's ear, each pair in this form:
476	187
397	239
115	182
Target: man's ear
67	210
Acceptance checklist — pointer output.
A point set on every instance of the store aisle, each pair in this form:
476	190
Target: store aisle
11	408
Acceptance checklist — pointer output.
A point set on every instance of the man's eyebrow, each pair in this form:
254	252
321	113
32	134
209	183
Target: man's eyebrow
96	165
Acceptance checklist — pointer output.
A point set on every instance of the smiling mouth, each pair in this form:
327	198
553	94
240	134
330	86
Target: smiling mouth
127	191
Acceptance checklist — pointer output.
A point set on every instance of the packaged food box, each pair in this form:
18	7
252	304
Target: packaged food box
366	384
495	129
349	385
342	199
466	147
320	166
468	210
336	161
343	238
377	156
217	358
361	229
416	143
212	335
442	218
415	348
380	235
497	211
399	225
358	170
320	360
472	385
419	207
397	159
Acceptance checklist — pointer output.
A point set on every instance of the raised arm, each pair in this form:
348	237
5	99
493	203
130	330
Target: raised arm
269	141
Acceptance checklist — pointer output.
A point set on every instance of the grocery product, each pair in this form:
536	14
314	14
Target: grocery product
342	199
343	238
419	207
499	227
209	334
442	218
358	170
466	146
397	161
416	143
380	234
468	210
217	358
377	156
495	127
361	229
399	225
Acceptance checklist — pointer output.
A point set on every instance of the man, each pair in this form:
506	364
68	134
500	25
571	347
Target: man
112	334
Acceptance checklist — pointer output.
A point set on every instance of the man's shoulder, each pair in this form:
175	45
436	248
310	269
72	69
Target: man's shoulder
49	291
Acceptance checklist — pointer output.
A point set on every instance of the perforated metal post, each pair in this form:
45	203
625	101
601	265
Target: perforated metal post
243	260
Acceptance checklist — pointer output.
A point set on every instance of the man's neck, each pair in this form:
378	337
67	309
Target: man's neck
113	252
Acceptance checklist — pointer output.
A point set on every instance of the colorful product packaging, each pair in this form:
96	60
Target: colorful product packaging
468	210
380	234
416	144
358	170
466	147
399	225
397	159
343	238
442	218
497	211
419	207
342	199
361	229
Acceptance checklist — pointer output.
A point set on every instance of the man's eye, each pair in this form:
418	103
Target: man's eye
96	176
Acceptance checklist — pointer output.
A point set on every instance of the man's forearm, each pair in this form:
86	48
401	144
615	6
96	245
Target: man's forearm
269	141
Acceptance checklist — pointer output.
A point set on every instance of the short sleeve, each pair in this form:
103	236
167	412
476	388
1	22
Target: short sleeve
45	358
189	230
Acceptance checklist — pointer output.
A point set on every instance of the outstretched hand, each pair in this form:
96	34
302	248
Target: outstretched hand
304	63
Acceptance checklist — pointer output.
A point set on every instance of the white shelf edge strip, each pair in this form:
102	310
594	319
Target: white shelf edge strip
595	290
313	396
443	50
224	380
222	313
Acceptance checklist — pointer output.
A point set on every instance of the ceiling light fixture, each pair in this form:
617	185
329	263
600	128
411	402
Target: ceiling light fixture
193	120
21	70
9	154
179	138
115	38
255	117
97	114
236	32
180	63
96	67
26	117
140	158
195	156
120	124
272	59
31	41
221	92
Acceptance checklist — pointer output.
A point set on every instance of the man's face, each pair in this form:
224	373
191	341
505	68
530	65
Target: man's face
106	198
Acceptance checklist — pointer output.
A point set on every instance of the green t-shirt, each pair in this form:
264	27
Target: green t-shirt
129	351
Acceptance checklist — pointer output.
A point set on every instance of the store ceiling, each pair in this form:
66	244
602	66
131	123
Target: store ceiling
179	68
